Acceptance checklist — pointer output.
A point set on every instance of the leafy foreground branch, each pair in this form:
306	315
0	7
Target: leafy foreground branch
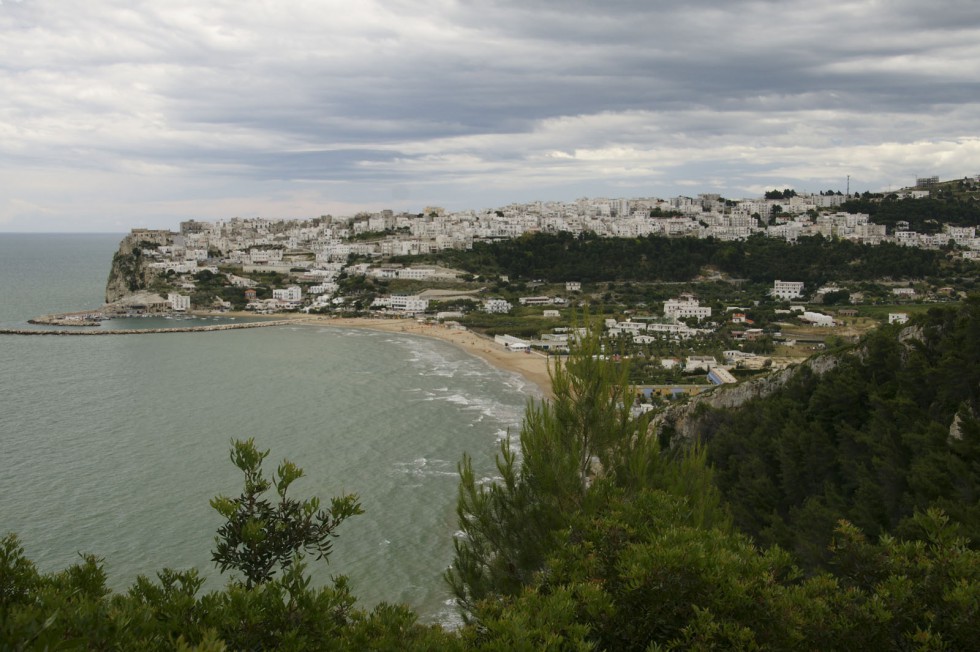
593	539
258	535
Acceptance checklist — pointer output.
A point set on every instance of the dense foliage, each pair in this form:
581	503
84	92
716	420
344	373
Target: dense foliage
590	258
608	543
924	215
891	430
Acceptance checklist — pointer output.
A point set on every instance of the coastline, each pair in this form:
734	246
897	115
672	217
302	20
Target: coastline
532	366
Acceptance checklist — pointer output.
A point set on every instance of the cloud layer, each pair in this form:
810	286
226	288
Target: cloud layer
127	113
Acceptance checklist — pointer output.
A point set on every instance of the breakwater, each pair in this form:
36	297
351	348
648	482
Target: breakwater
147	331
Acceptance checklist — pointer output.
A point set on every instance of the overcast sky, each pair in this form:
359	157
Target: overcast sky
116	114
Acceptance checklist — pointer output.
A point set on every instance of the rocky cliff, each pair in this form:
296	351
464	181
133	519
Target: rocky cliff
683	420
130	271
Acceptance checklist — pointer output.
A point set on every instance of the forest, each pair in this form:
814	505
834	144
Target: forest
839	513
892	429
589	258
925	215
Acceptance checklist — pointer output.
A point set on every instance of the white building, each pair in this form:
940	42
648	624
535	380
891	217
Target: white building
535	301
685	307
512	343
898	318
416	273
573	286
293	294
695	362
402	303
179	302
817	318
497	306
787	289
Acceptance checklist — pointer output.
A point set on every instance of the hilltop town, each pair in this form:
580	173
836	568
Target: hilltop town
708	326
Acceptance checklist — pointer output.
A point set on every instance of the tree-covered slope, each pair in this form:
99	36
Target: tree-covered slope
589	258
893	428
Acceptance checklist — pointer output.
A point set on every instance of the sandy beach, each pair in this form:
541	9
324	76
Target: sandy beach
533	366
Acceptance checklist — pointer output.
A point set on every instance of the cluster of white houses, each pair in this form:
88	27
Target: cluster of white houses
272	244
318	251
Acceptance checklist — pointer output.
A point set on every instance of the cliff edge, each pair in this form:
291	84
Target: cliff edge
130	271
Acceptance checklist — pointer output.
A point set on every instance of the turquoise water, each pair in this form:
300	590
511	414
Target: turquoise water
114	445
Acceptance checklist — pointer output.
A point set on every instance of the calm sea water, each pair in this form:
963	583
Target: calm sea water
114	445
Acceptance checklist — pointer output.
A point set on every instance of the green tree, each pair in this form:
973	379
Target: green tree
573	449
260	535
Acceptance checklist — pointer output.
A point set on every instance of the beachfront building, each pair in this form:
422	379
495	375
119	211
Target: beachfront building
402	303
179	302
292	294
512	343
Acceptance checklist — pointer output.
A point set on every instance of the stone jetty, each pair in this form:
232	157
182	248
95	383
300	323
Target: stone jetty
147	331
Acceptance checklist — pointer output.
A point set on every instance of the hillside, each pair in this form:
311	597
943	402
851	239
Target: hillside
871	435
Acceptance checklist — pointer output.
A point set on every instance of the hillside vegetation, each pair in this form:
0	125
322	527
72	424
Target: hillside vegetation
892	429
590	258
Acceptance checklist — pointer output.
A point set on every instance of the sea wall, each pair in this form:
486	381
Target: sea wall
147	331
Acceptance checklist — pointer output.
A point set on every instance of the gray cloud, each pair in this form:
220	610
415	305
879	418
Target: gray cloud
306	108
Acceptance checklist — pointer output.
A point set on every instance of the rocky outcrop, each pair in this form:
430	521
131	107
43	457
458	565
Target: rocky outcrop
683	419
129	272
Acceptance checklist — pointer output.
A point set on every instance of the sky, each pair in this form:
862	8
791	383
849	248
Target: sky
133	113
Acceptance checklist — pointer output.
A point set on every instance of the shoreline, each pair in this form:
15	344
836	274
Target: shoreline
532	366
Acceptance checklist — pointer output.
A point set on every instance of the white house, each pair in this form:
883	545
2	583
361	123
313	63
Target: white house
817	318
685	307
898	317
787	289
573	286
497	306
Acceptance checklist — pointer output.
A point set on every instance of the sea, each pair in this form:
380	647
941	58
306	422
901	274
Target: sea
114	445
